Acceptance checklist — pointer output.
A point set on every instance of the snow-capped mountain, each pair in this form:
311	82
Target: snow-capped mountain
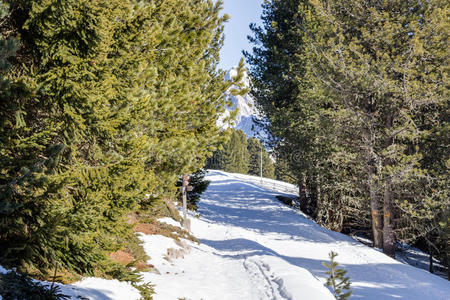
247	115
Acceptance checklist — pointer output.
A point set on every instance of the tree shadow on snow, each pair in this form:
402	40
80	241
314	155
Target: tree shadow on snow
232	202
261	211
367	285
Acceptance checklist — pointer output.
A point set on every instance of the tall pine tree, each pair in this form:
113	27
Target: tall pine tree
108	101
383	62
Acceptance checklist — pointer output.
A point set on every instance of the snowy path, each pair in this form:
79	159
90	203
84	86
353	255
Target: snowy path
253	247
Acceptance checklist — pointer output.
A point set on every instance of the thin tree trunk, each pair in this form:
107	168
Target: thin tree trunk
375	205
319	204
302	195
389	241
388	227
377	220
447	262
430	252
313	195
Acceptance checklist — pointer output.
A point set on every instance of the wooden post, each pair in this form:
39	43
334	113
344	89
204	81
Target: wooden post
185	184
186	223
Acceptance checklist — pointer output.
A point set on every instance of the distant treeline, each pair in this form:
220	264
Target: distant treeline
242	155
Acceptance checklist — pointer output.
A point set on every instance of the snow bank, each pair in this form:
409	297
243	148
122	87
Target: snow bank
101	289
267	183
170	221
95	289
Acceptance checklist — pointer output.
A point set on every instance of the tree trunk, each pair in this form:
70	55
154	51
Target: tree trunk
389	241
375	205
302	195
377	220
312	195
447	262
388	227
318	195
430	252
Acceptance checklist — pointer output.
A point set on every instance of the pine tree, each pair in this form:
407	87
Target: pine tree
199	185
304	120
355	93
256	149
235	156
383	62
339	283
108	101
277	70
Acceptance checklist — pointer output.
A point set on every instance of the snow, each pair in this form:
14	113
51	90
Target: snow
94	289
247	111
3	270
267	183
415	257
170	221
101	289
254	247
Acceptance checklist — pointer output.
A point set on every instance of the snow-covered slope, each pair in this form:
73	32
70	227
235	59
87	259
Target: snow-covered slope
254	247
247	111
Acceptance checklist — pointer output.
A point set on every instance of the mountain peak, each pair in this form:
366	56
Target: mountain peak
248	114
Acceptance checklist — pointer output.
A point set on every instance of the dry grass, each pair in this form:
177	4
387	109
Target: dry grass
155	227
147	228
121	257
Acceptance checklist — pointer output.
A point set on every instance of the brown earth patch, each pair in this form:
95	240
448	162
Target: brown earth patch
66	277
147	228
155	227
141	265
121	257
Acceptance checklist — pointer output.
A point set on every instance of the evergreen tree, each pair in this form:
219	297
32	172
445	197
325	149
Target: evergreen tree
355	93
383	61
235	156
199	185
277	69
302	119
256	149
337	280
107	101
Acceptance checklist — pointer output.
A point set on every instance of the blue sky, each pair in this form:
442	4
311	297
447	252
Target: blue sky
242	13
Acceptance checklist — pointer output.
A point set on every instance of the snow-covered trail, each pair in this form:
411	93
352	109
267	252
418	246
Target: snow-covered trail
254	247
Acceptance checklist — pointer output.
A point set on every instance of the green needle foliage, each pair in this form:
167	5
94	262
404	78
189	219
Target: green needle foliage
17	286
103	105
339	283
241	155
199	185
233	156
255	149
356	93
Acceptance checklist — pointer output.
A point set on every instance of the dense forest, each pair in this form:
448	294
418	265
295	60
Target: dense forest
357	97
